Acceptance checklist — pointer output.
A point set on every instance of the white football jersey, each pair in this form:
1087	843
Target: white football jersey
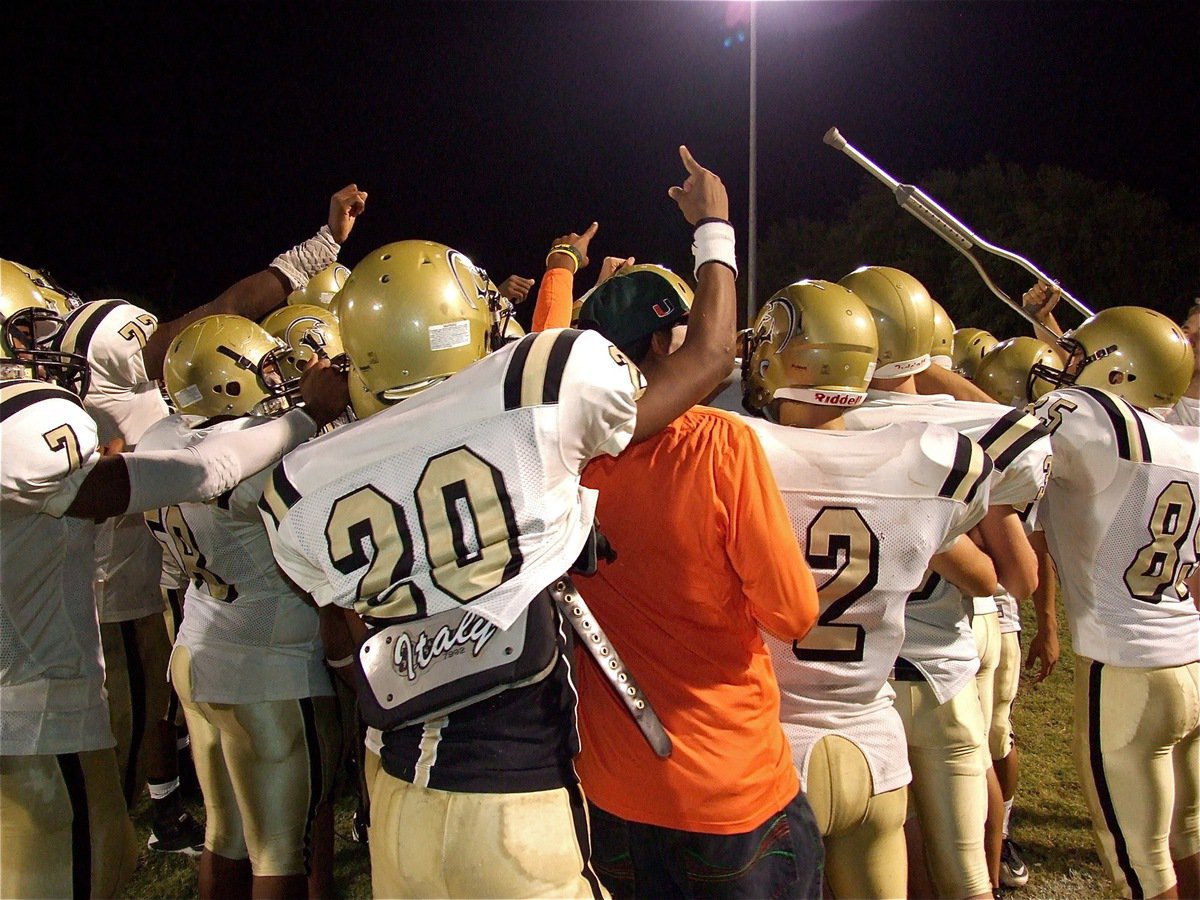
467	494
869	510
1120	516
938	639
124	403
51	669
251	637
1185	412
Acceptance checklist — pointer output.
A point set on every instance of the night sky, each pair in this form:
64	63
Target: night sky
160	152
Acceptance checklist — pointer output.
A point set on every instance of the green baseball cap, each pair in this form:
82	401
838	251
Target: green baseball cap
635	303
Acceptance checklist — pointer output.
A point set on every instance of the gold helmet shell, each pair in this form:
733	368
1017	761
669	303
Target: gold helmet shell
308	331
903	313
224	365
941	351
412	314
1130	351
969	346
362	400
30	330
1006	372
322	288
62	299
813	341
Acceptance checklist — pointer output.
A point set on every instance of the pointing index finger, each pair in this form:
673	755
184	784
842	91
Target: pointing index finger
689	161
591	230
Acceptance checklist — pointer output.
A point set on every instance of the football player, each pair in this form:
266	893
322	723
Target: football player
123	345
1007	374
938	696
63	825
447	518
683	601
871	510
248	661
1120	516
1187	410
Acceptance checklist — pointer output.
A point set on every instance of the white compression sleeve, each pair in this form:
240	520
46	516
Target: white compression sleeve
213	466
306	259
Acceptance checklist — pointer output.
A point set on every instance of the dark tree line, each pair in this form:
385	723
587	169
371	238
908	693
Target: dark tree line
1107	244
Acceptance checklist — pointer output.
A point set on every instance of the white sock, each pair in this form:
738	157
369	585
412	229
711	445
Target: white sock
1007	814
163	789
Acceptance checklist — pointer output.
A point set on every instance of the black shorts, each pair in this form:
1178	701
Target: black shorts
782	857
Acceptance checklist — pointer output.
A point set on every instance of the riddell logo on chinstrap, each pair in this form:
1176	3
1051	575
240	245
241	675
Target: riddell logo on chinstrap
836	399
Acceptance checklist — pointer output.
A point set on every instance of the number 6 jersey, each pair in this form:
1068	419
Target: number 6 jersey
1120	516
467	494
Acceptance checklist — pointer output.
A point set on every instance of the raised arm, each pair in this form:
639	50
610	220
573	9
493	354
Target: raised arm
691	373
258	294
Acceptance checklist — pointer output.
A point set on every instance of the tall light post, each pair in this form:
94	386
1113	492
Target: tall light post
752	236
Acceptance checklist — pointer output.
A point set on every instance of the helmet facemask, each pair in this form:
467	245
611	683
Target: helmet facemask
30	338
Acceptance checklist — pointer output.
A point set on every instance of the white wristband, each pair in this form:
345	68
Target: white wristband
305	260
714	242
339	663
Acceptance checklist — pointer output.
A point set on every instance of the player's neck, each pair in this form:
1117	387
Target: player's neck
905	385
1193	388
810	415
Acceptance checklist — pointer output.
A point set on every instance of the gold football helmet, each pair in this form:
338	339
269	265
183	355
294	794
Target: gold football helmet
813	341
903	313
969	346
1006	372
64	300
412	314
321	289
225	365
30	327
941	352
1133	352
308	331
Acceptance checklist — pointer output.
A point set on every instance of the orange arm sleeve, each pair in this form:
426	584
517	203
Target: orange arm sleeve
554	300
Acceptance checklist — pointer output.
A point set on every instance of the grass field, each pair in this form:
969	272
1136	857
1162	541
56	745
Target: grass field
1049	821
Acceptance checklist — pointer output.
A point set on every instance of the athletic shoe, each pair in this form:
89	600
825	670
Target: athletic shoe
1013	871
358	826
183	835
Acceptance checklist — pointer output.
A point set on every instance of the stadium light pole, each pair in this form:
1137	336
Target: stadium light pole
752	236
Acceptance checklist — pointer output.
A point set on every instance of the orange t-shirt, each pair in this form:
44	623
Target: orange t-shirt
706	555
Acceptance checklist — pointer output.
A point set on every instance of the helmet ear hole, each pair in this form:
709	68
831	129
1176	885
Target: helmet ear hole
233	389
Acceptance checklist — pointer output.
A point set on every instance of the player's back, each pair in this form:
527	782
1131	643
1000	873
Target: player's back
467	493
869	509
1121	517
250	636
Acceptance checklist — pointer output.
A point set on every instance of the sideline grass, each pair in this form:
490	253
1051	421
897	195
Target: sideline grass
1050	819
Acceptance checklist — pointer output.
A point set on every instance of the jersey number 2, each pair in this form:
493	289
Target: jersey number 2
839	538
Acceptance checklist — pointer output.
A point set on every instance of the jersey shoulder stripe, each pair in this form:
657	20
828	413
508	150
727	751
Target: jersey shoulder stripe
970	469
1133	443
1013	434
535	371
279	495
20	394
81	325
